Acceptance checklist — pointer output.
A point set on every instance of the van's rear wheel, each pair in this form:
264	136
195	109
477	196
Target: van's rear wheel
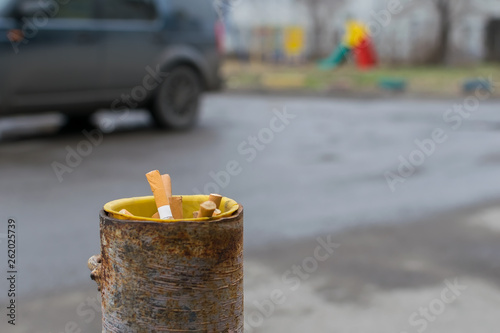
177	99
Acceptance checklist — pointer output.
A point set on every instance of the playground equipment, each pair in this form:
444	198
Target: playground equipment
357	41
278	44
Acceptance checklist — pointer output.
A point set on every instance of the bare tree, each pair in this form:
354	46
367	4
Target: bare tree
449	11
314	9
318	13
439	56
444	8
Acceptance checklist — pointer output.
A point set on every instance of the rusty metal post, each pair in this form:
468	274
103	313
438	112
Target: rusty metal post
171	277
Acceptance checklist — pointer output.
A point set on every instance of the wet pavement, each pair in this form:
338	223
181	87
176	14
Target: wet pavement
387	179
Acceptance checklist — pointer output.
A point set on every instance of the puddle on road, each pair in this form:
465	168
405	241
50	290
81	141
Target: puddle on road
25	126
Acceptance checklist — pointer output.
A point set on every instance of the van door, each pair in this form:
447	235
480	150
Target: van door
133	42
8	34
60	60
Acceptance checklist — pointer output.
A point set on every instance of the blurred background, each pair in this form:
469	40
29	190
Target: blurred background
367	129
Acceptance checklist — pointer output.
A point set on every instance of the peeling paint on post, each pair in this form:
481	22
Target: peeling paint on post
171	277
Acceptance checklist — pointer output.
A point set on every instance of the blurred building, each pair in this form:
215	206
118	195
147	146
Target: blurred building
404	32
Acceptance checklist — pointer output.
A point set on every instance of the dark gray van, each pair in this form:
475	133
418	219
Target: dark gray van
78	56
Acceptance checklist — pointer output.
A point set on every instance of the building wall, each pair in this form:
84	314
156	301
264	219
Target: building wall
408	36
468	35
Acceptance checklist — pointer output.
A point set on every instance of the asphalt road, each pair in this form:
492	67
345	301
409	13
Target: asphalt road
300	166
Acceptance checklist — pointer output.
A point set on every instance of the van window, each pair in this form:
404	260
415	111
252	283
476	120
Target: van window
3	7
79	9
128	9
192	14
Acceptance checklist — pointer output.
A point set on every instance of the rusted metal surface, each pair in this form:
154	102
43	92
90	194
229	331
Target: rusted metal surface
171	277
94	264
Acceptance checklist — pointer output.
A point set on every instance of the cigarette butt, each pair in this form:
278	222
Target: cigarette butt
158	189
156	215
125	212
207	209
216	212
167	184
215	198
176	207
156	182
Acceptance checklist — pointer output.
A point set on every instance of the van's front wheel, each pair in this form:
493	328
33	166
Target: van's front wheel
177	99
